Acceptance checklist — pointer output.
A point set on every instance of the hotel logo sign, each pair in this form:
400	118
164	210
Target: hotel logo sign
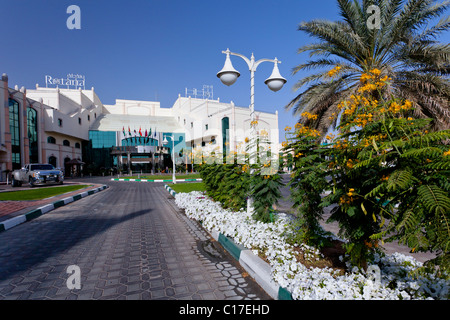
71	81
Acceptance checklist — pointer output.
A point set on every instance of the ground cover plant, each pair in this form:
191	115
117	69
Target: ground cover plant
38	193
300	268
187	187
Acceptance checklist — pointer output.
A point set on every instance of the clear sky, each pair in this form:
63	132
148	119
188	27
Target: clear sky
154	49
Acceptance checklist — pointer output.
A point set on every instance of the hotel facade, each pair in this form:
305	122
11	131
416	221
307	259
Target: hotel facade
73	130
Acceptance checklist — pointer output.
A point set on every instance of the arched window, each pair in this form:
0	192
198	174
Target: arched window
77	145
32	129
50	139
66	143
14	128
52	160
225	134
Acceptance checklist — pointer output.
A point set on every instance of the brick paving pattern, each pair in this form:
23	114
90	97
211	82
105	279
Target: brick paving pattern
130	242
8	208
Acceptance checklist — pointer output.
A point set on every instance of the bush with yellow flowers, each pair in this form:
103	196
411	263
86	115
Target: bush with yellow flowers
388	175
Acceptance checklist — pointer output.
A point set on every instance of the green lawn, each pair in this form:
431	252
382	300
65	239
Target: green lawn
164	177
188	187
38	193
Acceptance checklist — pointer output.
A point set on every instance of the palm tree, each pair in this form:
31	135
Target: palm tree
405	49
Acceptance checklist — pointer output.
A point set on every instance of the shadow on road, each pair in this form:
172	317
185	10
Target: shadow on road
54	238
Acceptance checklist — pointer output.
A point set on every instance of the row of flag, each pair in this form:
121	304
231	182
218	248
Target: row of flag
138	134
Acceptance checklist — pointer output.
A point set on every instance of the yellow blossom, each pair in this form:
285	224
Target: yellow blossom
350	163
334	71
375	71
309	116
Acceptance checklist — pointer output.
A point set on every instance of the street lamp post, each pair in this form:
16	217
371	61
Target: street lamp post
173	156
228	75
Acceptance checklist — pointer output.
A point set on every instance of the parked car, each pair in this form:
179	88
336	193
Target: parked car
36	173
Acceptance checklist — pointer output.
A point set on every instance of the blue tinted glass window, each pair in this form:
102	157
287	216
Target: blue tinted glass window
14	125
102	139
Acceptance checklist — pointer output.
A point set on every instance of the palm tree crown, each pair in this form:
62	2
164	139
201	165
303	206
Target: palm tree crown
404	49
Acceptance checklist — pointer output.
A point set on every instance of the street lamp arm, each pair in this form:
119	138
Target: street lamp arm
252	65
249	63
257	63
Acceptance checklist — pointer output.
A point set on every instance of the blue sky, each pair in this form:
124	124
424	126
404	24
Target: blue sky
154	49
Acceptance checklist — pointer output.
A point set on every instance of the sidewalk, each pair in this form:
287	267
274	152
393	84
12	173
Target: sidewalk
11	209
285	205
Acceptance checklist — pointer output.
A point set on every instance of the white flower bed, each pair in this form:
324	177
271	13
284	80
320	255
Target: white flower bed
387	279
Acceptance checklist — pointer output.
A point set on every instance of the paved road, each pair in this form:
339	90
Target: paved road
129	242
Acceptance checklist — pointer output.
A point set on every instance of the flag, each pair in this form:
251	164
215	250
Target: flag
129	131
123	130
140	132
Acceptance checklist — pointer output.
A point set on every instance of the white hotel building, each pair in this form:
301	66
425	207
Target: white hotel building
74	130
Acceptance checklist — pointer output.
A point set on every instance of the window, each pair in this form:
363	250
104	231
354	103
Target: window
66	143
51	140
102	139
225	134
95	115
60	122
14	128
192	125
89	117
79	121
206	127
41	167
52	160
77	145
32	129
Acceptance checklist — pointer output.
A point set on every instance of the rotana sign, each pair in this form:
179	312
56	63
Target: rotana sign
71	81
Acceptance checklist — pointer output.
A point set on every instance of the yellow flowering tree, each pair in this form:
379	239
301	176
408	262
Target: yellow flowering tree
384	165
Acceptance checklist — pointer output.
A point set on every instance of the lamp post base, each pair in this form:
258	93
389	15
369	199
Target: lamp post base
250	208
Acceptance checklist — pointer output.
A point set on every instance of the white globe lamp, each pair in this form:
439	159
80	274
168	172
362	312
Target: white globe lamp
228	75
275	82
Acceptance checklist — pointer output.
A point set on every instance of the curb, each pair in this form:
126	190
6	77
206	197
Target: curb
256	267
10	223
171	191
148	180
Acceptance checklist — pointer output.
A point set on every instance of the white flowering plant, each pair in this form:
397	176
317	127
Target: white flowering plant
387	276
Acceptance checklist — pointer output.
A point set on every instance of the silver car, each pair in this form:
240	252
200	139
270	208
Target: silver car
37	174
